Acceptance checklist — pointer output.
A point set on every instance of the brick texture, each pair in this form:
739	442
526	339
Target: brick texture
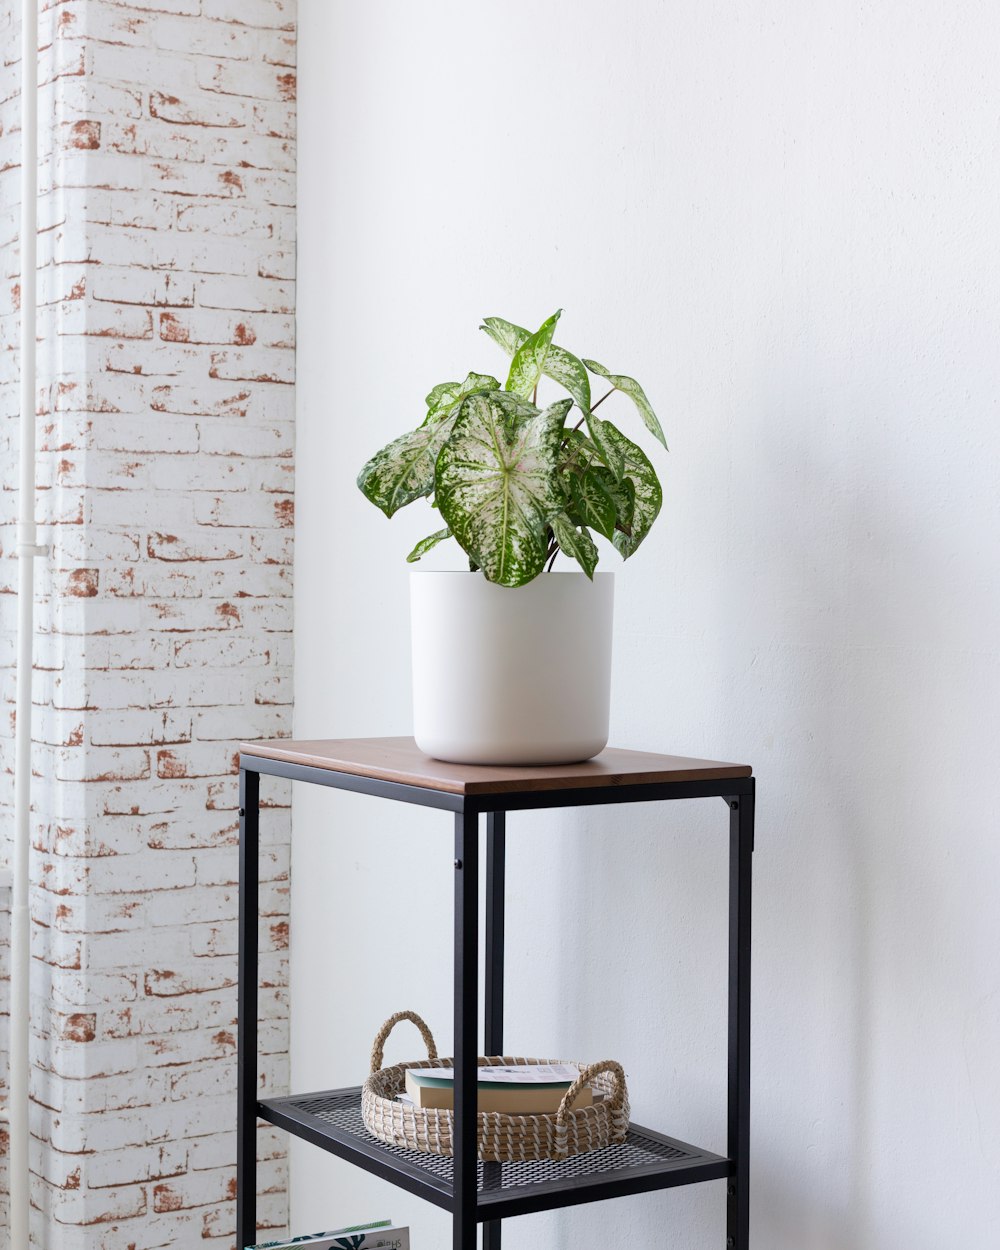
9	330
165	401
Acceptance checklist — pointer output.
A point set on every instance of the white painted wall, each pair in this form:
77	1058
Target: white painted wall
782	217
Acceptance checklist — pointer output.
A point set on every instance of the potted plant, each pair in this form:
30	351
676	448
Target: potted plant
511	661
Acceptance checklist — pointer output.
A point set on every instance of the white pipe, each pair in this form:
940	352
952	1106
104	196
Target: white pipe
27	550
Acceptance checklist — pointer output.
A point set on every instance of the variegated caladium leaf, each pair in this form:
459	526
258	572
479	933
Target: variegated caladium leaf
579	448
496	483
579	453
648	493
523	411
529	359
427	544
592	504
444	398
623	496
607	448
440	396
584	450
568	370
404	470
560	365
575	542
631	388
505	334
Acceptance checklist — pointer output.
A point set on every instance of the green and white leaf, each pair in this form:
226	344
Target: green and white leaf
529	359
523	410
648	493
623	496
441	395
631	388
580	450
496	483
592	504
568	370
427	544
607	449
576	543
444	398
507	336
404	470
560	365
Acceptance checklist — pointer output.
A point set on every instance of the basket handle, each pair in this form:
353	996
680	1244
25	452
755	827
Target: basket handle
585	1077
378	1046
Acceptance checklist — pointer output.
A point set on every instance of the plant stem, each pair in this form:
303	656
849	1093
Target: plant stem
534	395
569	461
574	455
581	421
552	551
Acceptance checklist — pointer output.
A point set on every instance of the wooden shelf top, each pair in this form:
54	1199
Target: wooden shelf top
400	760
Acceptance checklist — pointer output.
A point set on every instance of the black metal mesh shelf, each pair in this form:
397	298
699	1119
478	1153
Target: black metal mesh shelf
395	769
644	1161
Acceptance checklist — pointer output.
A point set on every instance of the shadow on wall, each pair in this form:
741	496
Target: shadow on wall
836	867
840	674
858	933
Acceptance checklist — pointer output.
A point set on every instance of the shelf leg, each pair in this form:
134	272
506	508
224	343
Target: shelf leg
741	814
466	1028
496	885
246	1028
495	899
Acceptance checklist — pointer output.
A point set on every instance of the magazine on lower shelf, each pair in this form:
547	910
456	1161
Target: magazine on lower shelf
382	1235
512	1089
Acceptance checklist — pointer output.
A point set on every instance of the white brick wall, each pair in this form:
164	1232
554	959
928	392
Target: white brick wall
9	330
167	303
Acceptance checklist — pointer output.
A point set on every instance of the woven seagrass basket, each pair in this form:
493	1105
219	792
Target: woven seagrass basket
502	1138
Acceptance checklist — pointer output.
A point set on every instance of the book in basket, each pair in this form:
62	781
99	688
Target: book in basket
513	1089
382	1235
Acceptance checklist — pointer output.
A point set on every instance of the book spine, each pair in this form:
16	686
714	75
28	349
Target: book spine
362	1237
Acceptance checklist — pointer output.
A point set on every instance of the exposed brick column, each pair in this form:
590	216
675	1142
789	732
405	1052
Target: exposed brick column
165	471
10	156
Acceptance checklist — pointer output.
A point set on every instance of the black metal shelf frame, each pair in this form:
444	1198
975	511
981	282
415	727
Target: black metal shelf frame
472	1191
647	1160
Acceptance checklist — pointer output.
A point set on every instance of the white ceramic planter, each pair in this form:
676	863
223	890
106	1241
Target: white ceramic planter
504	676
